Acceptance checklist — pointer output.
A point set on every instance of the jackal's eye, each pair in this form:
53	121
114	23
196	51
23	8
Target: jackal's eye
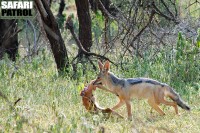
105	71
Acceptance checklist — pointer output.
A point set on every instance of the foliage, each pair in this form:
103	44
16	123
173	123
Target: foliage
187	60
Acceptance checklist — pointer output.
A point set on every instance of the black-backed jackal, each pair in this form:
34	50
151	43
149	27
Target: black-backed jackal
140	88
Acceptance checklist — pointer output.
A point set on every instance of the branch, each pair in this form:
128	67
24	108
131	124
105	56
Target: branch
163	15
51	32
104	11
165	5
141	31
40	7
34	36
69	25
195	2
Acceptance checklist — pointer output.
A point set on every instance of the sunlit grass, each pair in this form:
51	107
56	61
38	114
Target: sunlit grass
52	104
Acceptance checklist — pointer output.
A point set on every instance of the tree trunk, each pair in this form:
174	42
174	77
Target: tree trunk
8	38
60	16
61	8
53	34
94	5
85	33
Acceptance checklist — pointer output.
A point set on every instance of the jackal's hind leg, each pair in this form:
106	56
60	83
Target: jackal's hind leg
170	104
155	106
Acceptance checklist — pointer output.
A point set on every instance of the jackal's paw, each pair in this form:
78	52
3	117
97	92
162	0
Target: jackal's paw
178	114
163	114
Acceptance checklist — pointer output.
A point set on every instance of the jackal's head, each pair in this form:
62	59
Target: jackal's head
103	74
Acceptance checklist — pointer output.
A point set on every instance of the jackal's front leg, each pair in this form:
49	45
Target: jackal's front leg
121	102
128	106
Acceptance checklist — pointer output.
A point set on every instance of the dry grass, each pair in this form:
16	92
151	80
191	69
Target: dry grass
52	104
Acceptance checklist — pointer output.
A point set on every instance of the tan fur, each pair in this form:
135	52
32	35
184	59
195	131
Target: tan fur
154	93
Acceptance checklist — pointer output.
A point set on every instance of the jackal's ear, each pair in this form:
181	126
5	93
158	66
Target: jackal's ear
100	65
107	66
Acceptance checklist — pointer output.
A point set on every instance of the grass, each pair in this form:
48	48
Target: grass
51	103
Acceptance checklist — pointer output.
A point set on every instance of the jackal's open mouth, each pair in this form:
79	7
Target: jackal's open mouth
97	83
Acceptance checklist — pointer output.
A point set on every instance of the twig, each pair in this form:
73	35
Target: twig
104	11
141	31
195	2
35	40
19	99
157	11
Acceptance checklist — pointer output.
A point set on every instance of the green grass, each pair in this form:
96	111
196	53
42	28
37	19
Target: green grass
51	103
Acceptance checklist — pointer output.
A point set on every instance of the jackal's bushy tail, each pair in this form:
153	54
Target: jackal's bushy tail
179	101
